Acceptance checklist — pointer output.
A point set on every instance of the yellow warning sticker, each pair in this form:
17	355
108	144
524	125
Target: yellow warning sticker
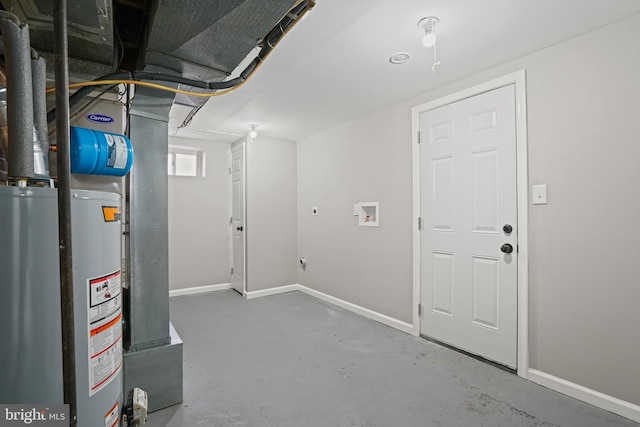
111	213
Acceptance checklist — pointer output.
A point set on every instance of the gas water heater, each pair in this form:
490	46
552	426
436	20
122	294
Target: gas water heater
31	353
30	325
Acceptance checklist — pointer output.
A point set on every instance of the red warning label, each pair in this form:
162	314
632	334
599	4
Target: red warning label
105	330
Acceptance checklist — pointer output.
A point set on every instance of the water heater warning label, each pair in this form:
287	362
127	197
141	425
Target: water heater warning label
105	330
104	297
112	418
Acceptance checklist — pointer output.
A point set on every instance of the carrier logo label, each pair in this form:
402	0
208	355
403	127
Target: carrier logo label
99	118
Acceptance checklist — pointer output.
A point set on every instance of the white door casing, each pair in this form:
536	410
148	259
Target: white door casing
238	215
472	295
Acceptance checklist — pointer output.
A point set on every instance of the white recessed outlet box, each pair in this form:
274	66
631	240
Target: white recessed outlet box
369	214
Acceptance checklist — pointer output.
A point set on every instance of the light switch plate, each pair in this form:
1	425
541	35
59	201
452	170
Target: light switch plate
539	194
356	209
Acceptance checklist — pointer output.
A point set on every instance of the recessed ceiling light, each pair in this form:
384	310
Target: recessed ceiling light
399	58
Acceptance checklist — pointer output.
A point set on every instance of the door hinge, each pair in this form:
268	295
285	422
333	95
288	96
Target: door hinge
232	271
419	309
229	170
230	220
419	137
419	223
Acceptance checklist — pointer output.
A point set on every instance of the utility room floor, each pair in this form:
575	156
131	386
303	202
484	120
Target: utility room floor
291	360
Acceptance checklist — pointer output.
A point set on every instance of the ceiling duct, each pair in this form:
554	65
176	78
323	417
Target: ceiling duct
206	40
197	39
90	29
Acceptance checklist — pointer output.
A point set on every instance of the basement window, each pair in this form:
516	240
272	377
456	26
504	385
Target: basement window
185	161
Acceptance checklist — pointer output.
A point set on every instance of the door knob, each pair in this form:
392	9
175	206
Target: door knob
239	228
506	248
507	228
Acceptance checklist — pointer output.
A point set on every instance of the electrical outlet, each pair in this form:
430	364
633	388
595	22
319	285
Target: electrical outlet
539	194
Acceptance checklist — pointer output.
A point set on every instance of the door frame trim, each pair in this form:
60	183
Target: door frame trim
518	79
243	144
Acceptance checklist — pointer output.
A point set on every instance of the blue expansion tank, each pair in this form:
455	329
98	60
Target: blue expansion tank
100	153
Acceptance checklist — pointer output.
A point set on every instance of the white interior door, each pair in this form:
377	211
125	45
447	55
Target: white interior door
468	205
238	217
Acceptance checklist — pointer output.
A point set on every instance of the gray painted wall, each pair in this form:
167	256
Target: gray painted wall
199	245
368	160
583	106
199	220
271	223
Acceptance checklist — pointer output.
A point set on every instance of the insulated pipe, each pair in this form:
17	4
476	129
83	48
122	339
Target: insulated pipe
39	84
270	40
61	54
15	37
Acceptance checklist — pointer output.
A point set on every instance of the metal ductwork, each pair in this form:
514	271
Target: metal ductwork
197	43
40	128
198	39
206	40
90	29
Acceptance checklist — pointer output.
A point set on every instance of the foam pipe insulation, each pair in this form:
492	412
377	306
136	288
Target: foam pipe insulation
17	55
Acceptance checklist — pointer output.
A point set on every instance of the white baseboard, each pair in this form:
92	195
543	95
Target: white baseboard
199	290
382	318
593	397
272	291
389	321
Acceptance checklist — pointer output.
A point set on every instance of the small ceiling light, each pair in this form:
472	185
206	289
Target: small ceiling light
399	58
428	26
253	133
429	39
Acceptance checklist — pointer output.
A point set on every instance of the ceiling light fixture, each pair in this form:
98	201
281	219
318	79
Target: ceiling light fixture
428	26
253	133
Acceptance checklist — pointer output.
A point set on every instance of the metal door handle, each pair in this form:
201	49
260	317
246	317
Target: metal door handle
506	248
239	228
507	228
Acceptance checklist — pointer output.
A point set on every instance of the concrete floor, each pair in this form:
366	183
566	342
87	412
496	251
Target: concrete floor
293	361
